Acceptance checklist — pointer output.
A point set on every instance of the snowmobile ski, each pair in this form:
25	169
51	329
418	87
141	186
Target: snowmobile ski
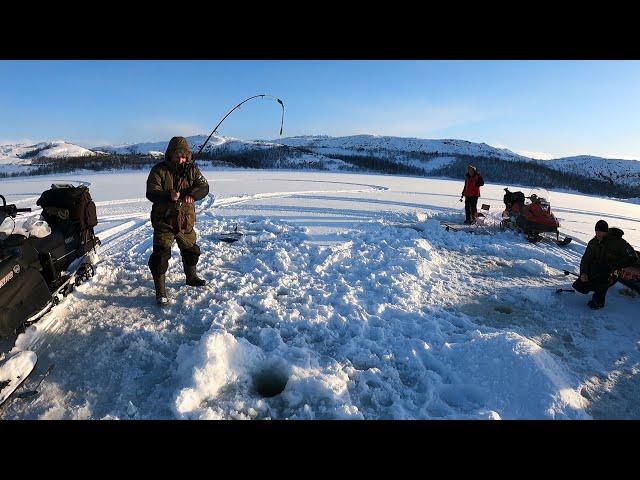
14	371
30	394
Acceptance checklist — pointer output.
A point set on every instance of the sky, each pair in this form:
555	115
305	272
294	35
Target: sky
544	109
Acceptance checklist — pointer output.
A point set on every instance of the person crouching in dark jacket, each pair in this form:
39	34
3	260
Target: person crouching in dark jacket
471	192
606	253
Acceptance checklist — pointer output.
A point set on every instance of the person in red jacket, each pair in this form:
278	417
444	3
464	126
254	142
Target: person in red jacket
471	192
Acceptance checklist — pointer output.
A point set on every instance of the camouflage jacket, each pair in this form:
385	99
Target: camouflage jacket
167	215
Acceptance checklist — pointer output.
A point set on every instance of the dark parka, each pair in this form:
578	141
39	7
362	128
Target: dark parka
601	258
165	177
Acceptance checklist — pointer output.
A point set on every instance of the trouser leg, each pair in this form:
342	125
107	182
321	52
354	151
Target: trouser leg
474	207
602	287
467	209
189	249
598	285
190	252
159	258
600	292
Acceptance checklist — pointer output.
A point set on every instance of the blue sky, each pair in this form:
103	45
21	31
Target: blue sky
542	108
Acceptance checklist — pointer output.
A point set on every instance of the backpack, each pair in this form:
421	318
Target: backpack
65	203
513	197
480	181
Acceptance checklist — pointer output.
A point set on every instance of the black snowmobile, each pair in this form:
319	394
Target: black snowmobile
36	270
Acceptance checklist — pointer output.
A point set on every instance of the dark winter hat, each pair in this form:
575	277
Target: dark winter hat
178	144
602	226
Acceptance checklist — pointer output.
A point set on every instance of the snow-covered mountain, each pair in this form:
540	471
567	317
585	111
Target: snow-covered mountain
618	171
376	143
24	153
413	155
615	170
195	141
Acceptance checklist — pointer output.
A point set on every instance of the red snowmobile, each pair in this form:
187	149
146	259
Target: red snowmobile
630	276
534	218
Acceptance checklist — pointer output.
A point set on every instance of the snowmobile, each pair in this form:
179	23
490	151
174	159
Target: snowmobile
44	257
534	218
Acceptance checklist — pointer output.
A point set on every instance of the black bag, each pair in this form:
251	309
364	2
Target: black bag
513	197
480	181
69	203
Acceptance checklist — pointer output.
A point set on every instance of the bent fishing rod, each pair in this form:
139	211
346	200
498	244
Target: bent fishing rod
262	95
235	108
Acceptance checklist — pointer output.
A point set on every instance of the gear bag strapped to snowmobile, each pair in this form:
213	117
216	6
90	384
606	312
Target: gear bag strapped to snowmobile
69	202
511	198
66	206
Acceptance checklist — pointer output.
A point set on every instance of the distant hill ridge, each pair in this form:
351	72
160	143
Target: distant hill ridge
388	154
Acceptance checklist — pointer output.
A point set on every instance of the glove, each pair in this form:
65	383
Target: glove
460	198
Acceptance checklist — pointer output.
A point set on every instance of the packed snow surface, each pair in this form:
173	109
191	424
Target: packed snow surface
344	299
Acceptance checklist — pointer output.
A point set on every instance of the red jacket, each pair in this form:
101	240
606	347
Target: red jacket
472	185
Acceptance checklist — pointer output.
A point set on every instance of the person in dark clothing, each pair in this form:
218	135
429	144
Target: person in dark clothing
605	254
173	186
471	192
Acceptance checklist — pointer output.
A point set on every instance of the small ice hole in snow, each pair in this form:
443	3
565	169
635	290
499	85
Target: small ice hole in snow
505	310
272	378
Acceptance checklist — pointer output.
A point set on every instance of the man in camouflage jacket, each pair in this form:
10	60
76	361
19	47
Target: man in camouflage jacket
173	186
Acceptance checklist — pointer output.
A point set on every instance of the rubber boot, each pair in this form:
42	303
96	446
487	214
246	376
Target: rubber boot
161	291
192	278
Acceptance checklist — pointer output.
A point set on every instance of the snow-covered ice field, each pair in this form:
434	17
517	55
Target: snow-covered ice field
331	297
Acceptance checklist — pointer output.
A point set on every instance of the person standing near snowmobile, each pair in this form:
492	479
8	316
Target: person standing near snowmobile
471	192
173	186
606	253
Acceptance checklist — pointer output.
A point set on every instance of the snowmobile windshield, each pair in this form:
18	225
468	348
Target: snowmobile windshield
36	227
540	195
27	227
7	227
